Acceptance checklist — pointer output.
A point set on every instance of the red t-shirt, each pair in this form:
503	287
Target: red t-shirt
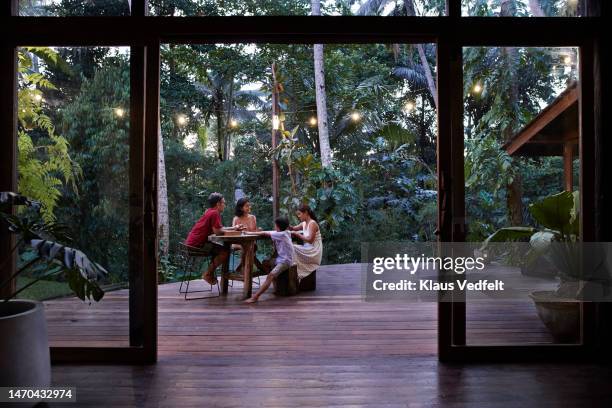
202	229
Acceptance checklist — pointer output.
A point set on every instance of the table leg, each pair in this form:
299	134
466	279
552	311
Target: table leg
247	268
225	271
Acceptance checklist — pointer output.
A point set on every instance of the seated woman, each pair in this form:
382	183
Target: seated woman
243	216
307	256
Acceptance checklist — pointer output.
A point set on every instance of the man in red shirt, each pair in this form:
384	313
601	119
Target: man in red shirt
208	224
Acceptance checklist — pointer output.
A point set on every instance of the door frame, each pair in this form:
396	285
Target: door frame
451	33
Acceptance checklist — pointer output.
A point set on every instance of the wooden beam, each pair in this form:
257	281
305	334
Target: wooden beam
451	206
542	120
501	31
136	186
98	355
568	166
8	141
151	241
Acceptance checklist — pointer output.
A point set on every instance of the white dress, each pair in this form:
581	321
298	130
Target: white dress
308	256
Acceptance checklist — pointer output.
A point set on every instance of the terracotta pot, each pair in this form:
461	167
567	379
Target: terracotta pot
561	316
24	347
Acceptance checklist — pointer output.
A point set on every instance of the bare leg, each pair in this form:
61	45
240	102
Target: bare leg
264	286
218	260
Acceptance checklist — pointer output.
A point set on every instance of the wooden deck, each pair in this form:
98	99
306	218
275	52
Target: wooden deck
321	349
333	320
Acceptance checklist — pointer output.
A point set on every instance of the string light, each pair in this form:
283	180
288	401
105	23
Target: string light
477	88
313	121
119	112
233	123
38	97
355	116
567	60
181	120
409	107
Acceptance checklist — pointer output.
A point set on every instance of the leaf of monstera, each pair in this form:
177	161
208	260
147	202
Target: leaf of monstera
509	234
554	212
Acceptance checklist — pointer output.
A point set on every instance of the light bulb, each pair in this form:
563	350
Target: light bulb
409	107
313	121
181	120
233	123
355	116
477	88
119	112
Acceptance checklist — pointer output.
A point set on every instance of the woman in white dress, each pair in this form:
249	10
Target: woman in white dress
307	256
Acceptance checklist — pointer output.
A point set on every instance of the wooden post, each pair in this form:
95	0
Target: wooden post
151	240
8	138
568	166
276	112
136	184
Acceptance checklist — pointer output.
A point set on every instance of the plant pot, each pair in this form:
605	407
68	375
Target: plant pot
24	347
561	316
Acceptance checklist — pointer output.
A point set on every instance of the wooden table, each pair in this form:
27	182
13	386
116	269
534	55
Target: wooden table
247	242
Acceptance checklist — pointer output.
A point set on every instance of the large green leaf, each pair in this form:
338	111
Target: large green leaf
555	212
510	234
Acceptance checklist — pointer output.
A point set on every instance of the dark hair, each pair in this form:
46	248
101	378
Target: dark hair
282	223
214	198
304	208
239	212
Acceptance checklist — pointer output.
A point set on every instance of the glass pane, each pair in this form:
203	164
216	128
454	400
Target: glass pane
296	8
65	8
524	8
521	148
73	144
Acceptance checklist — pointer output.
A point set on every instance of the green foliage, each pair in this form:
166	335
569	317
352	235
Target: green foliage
44	162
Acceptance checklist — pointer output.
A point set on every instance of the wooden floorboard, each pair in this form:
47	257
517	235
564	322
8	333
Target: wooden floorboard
321	349
334	315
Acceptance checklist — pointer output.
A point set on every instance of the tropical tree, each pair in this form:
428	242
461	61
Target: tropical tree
319	74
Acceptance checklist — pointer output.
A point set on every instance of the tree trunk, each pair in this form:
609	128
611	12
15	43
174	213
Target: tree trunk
514	190
536	8
220	135
319	69
409	6
162	208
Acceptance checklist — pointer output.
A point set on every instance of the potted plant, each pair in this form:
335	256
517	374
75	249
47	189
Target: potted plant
24	348
557	241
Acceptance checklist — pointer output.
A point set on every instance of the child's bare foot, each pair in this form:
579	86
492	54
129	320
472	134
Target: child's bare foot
251	300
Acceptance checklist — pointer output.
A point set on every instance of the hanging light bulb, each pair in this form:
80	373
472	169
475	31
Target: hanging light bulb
409	107
275	122
567	60
313	121
119	112
181	120
355	116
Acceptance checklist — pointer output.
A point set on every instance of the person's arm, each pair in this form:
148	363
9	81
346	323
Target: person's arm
297	227
311	233
217	227
263	233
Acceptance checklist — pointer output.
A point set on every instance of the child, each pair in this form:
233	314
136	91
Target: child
284	250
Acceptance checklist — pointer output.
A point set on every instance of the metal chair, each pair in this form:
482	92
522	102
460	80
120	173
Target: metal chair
189	256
